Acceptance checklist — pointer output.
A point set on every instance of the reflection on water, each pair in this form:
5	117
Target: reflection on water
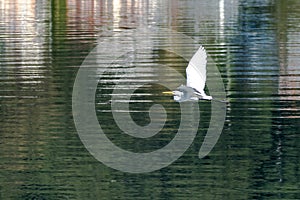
256	47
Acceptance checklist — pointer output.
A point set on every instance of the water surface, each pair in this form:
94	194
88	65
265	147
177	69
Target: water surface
256	47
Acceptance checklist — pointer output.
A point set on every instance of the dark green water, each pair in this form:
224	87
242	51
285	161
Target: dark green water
256	46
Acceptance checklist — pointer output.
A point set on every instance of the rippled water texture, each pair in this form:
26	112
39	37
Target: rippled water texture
255	45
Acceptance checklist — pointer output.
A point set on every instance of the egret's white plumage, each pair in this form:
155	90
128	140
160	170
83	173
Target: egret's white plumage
196	72
195	80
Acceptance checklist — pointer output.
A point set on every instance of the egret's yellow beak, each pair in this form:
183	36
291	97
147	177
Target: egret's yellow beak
168	92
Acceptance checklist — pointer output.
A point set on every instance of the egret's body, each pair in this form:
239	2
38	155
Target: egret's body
195	80
186	93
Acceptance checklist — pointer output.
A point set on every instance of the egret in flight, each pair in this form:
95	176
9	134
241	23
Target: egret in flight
195	80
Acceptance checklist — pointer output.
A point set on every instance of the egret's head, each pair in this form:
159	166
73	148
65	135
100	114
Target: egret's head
177	95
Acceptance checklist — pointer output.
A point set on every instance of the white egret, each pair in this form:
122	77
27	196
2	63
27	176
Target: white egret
195	80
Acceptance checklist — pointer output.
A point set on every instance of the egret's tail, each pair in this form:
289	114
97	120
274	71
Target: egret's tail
207	97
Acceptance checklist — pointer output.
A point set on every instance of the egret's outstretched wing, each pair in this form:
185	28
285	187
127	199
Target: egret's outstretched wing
196	71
